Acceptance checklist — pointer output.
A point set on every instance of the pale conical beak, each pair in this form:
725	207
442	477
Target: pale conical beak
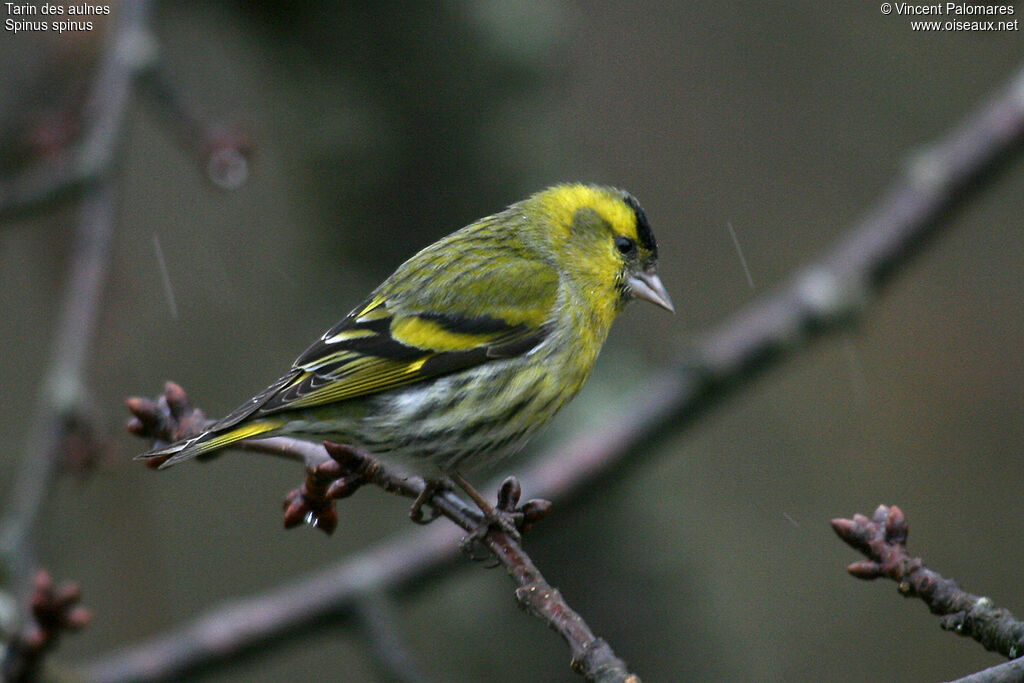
647	286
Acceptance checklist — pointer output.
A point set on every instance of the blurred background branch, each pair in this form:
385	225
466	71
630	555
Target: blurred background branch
63	398
61	434
130	51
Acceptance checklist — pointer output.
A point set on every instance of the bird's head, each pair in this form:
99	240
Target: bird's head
600	238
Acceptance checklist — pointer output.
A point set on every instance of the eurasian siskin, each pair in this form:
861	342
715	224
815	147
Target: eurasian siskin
471	345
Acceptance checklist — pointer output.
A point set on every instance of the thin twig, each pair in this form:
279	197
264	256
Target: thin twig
592	657
831	292
223	149
55	611
882	540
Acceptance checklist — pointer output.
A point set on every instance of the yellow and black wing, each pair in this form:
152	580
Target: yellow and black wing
387	343
434	316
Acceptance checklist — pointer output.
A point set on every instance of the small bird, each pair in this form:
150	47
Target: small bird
471	345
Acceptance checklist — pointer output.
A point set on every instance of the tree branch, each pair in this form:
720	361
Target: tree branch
337	471
882	539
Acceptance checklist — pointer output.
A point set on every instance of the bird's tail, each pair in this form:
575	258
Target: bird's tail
210	441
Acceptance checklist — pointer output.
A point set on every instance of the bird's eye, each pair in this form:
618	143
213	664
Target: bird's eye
625	245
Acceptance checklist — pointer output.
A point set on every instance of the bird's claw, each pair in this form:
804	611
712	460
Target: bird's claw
507	516
425	497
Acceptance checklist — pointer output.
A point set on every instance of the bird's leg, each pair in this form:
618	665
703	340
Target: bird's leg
425	496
